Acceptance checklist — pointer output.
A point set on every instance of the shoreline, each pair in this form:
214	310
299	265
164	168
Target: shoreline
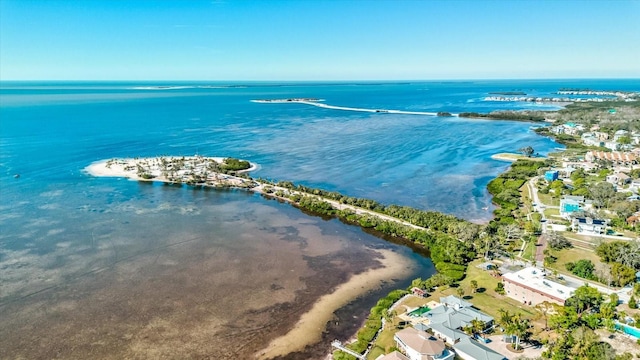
309	328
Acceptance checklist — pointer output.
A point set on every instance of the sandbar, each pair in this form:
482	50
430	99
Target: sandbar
309	328
511	157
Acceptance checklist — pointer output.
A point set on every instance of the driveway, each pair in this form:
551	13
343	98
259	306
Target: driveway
496	344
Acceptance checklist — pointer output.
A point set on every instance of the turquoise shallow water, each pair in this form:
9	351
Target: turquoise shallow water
63	233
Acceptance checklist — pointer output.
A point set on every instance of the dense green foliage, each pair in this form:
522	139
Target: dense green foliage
372	325
583	268
232	164
505	188
583	313
624	259
535	116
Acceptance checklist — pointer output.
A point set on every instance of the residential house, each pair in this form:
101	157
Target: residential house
571	205
633	220
531	286
590	139
589	226
620	134
612	145
469	349
559	129
572	128
446	333
454	302
600	135
393	356
551	175
618	179
571	166
420	345
634	185
446	320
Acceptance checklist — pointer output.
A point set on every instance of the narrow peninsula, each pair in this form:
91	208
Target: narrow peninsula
317	103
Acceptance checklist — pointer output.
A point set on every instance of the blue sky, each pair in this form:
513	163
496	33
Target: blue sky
318	40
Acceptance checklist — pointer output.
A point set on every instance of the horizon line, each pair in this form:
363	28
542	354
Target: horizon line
327	80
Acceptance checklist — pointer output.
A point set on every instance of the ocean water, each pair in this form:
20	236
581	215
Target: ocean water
117	264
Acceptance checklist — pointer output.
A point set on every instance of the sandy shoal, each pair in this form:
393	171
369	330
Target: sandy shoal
309	328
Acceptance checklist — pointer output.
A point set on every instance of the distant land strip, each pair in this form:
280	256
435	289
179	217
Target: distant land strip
316	102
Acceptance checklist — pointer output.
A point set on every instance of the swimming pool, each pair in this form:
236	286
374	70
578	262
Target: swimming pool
635	332
419	311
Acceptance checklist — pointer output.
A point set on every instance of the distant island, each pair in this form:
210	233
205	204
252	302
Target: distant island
603	96
507	93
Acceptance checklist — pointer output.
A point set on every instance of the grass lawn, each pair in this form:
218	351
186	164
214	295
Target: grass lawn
551	212
411	301
572	255
530	250
384	342
488	300
526	197
548	199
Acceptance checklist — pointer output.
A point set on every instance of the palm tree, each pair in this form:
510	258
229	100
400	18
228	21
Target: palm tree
518	327
505	317
474	285
477	327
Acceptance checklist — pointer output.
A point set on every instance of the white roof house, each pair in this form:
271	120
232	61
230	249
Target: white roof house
469	349
420	345
531	286
447	320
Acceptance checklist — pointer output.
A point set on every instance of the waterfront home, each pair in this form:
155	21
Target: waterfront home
420	345
589	226
531	286
447	320
571	128
469	349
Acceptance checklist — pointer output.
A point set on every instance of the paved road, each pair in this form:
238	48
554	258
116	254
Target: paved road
539	207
